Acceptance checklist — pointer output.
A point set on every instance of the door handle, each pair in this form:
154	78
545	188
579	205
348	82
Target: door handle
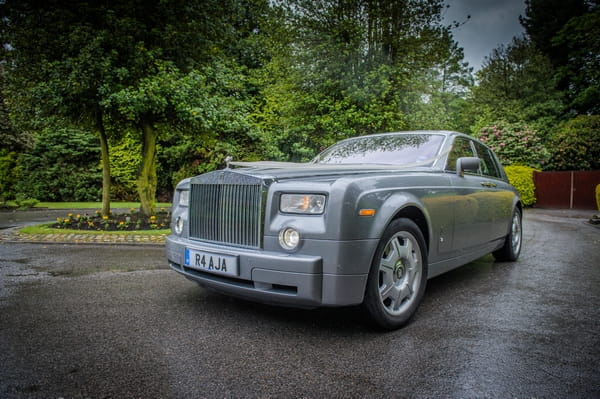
488	184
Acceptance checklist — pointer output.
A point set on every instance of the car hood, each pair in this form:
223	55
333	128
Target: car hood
289	170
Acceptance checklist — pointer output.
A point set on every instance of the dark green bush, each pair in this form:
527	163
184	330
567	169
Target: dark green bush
63	165
26	203
521	177
8	176
576	144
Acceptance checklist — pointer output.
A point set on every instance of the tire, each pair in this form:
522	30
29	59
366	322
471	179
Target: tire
513	242
398	275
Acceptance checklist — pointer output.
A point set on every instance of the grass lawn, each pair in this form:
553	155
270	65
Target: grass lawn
46	229
93	205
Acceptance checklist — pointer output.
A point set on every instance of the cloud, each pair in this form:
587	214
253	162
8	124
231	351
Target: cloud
491	23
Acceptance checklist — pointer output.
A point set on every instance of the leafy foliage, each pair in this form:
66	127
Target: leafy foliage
521	177
355	68
26	203
545	18
515	144
8	175
517	84
576	144
114	221
61	166
173	86
566	31
580	38
125	159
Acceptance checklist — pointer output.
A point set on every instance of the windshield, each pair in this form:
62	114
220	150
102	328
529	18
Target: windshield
393	149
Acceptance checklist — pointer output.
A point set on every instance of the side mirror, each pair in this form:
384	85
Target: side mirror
467	164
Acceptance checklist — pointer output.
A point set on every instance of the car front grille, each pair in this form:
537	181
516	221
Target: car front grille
226	209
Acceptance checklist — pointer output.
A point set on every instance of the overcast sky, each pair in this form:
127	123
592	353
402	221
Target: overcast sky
492	22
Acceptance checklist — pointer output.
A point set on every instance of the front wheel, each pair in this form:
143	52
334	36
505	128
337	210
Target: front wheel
398	275
512	244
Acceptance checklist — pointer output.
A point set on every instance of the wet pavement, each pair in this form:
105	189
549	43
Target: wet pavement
104	321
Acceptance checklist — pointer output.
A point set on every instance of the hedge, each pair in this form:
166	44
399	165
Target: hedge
521	177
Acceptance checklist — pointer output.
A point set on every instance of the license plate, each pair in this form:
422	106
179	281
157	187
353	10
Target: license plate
212	263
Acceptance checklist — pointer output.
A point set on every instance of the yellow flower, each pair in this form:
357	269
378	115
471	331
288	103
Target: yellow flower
70	215
67	220
78	216
105	217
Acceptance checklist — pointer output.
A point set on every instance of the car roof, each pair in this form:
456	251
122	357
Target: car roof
445	133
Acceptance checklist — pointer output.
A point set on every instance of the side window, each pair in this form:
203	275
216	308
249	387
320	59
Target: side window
488	164
460	148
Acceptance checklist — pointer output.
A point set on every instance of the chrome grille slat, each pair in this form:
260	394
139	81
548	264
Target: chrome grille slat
229	213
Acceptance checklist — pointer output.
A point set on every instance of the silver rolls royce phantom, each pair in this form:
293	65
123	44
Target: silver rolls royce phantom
368	221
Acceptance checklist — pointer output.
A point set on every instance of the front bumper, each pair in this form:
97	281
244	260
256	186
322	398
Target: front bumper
275	277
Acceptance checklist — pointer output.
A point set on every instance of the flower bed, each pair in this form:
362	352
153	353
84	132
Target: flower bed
114	222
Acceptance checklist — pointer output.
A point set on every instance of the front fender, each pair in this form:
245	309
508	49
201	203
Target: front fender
387	205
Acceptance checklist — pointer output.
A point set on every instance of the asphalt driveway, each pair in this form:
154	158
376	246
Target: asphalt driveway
111	321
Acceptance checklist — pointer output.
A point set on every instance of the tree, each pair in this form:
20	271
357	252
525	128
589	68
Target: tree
436	96
58	60
517	84
210	102
576	144
357	67
544	19
41	172
10	138
567	33
579	38
80	60
194	81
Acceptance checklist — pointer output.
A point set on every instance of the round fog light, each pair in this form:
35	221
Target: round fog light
179	225
289	238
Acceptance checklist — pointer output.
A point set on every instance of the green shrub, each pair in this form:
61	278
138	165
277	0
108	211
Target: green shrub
26	203
125	161
521	177
576	144
598	196
62	165
8	176
515	144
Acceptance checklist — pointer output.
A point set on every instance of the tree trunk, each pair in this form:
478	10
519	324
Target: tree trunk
147	178
105	160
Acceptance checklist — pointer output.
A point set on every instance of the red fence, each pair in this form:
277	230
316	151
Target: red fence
566	190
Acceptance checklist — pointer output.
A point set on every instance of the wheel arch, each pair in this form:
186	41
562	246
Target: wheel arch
519	206
418	217
411	212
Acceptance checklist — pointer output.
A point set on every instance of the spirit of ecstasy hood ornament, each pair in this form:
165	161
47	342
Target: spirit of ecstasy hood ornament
228	159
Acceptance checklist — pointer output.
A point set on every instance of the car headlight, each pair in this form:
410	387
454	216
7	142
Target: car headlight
184	197
179	225
313	204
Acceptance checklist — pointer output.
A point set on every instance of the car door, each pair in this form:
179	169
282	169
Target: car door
475	197
498	192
